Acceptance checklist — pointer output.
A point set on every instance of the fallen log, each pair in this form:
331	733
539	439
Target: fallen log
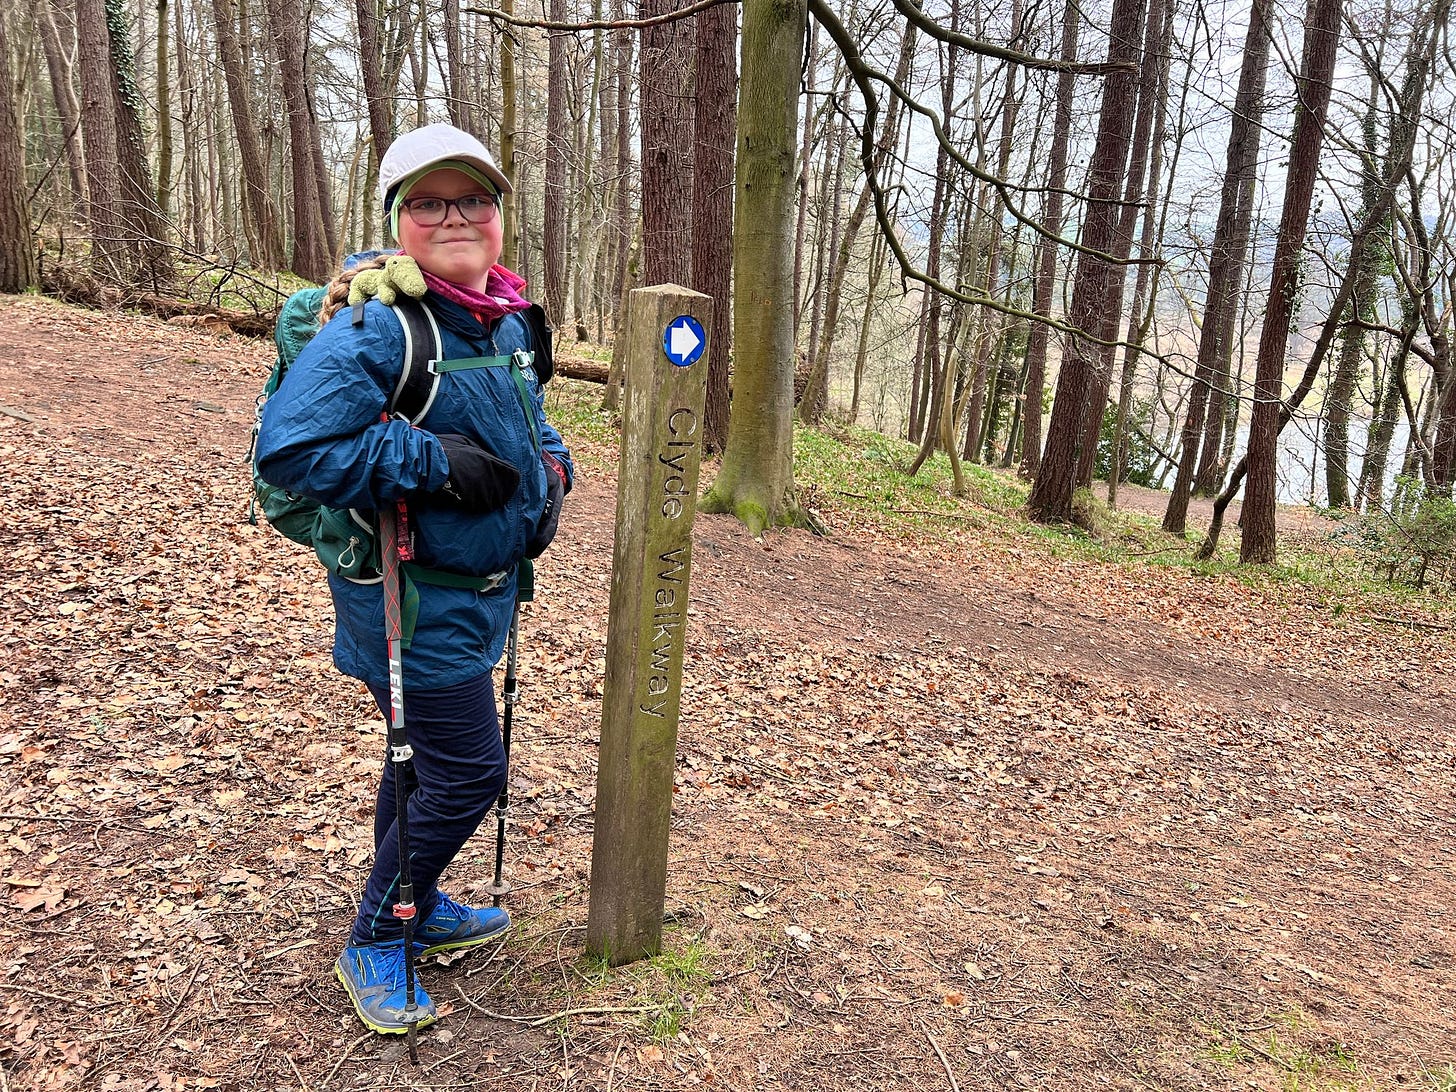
581	367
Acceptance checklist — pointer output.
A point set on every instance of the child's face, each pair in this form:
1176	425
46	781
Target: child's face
454	249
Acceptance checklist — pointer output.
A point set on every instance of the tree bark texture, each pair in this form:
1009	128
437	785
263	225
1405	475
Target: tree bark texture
1051	492
147	234
757	475
1046	270
112	257
715	131
376	98
257	196
1321	36
665	81
1225	265
1145	292
58	64
553	208
311	255
1149	106
17	248
510	208
1346	375
164	113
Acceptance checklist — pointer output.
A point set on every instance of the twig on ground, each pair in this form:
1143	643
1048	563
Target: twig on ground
186	992
302	1084
59	997
343	1058
539	1021
944	1061
1411	622
441	1061
612	1072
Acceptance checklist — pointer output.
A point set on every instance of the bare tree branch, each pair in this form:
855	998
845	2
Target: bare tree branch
496	15
910	9
863	73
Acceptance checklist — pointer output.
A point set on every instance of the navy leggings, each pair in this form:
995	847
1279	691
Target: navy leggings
459	769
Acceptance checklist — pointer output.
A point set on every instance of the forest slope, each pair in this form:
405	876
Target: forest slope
951	808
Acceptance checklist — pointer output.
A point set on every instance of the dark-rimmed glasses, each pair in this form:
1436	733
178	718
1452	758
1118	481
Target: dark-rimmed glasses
478	208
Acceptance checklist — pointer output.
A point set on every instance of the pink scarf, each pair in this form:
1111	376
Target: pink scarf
502	295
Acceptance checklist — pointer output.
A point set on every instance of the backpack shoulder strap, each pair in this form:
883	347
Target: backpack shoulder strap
543	361
418	379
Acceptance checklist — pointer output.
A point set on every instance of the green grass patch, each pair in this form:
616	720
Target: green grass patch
666	987
575	408
1305	1060
1443	1079
850	474
853	479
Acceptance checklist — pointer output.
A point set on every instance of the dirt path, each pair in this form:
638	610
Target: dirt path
958	809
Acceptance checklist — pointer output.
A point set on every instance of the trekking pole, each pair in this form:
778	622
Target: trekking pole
525	591
396	548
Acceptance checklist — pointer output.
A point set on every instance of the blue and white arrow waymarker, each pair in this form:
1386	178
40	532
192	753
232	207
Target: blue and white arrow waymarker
683	341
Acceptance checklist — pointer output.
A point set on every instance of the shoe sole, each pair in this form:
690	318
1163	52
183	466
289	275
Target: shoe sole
379	1029
461	945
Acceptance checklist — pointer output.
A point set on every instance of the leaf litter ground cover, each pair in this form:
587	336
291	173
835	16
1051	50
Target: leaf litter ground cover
951	811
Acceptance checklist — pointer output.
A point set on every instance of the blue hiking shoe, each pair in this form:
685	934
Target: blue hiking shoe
453	926
373	975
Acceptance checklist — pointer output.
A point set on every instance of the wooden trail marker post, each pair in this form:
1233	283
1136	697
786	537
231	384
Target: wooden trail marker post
657	492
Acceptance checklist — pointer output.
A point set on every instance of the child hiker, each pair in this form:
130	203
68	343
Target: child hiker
482	474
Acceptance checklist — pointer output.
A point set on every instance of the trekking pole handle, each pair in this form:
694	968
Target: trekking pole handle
403	539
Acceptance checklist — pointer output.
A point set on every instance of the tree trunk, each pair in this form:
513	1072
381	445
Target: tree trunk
815	398
988	344
1046	271
631	278
1225	271
806	144
258	197
312	259
1321	36
715	130
1051	493
934	402
376	98
111	255
553	209
856	219
164	113
17	248
1382	430
456	104
665	79
1149	104
510	210
1346	374
862	350
757	476
322	177
58	63
148	234
1145	293
623	222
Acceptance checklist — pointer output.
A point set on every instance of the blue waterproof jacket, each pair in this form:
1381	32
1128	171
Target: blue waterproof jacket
322	436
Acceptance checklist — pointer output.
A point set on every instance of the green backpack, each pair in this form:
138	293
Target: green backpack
344	539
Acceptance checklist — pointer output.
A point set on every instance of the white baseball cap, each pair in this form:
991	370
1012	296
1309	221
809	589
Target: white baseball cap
415	152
